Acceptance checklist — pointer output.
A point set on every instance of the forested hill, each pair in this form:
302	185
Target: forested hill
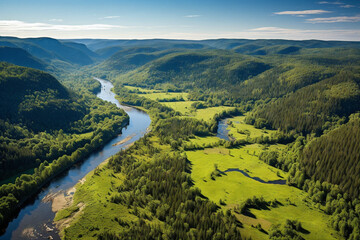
298	87
46	128
334	157
36	99
234	44
306	90
52	49
20	57
214	69
55	56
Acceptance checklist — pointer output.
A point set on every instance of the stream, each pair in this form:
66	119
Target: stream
280	181
35	219
223	133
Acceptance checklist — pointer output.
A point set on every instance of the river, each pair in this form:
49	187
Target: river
222	131
35	219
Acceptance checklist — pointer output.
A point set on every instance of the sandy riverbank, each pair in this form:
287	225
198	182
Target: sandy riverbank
128	138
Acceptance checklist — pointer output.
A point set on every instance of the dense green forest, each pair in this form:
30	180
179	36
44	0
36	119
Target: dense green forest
45	128
334	153
20	57
308	91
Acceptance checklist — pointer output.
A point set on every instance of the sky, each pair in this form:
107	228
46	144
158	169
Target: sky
173	19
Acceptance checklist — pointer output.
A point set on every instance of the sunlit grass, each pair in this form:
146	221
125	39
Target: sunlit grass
240	130
234	188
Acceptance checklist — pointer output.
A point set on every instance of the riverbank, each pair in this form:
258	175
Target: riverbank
37	214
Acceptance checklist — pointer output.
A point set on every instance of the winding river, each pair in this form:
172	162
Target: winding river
34	220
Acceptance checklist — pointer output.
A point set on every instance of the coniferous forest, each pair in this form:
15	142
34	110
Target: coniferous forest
249	139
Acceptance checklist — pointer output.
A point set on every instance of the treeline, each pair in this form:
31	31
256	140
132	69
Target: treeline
335	158
344	209
161	190
315	108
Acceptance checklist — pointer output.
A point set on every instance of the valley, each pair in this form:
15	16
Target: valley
248	139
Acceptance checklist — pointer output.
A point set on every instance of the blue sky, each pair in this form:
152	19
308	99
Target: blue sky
196	19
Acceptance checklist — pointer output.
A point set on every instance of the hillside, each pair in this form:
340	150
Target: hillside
36	99
20	57
45	129
210	69
97	44
335	153
307	90
303	90
130	58
310	108
53	51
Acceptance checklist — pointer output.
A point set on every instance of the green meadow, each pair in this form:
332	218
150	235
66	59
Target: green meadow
185	108
230	189
233	188
240	130
94	211
157	94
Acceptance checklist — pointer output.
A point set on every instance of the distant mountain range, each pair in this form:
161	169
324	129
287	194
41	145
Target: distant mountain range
52	54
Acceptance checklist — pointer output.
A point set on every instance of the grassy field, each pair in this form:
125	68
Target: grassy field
204	140
91	211
239	130
157	94
140	89
163	96
90	200
206	114
184	107
234	188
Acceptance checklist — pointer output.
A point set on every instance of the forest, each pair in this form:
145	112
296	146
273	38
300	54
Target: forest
291	112
45	129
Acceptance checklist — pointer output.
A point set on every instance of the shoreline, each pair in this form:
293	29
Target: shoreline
128	138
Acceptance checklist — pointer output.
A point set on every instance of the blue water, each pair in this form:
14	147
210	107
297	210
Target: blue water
222	132
36	215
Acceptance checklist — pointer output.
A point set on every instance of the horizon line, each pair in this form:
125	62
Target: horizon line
184	39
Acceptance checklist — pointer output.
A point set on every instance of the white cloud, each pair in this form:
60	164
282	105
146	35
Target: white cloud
347	6
335	3
24	29
303	34
304	12
56	20
15	25
334	19
192	16
111	17
271	33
